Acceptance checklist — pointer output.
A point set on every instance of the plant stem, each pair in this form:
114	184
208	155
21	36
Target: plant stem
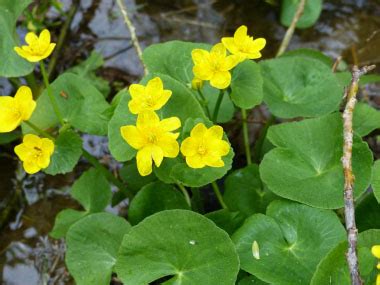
246	137
292	27
219	196
185	193
217	105
51	96
94	161
31	81
349	205
204	101
39	131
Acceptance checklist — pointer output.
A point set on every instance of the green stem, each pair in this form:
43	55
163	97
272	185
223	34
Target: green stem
204	101
51	96
32	83
39	131
246	136
217	105
185	193
94	161
219	196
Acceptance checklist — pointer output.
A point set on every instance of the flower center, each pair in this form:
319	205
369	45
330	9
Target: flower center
202	150
152	138
37	152
149	102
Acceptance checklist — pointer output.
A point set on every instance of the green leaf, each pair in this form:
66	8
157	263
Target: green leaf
333	269
251	280
309	16
287	236
310	53
177	171
247	85
376	180
345	78
92	247
181	104
299	86
67	151
181	244
79	102
366	119
11	64
153	198
86	70
226	220
64	220
367	213
245	193
306	164
130	175
9	137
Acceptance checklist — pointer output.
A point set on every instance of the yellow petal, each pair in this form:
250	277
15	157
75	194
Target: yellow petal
132	136
147	119
49	50
144	161
169	146
31	167
215	132
23	152
10	118
198	131
135	106
162	99
213	161
137	90
195	161
31	38
170	124
219	147
154	85
47	146
32	141
241	33
203	71
230	44
219	49
376	251
189	147
254	55
44	40
157	155
22	52
43	160
258	44
221	79
24	99
199	56
230	62
378	279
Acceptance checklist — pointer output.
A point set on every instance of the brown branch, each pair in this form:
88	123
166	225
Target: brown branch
349	207
289	33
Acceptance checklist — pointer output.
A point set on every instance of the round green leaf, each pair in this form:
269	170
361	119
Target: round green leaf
92	246
306	164
67	151
245	193
247	85
297	86
130	175
366	119
64	220
251	280
287	236
11	64
367	213
153	198
310	53
79	102
309	16
333	269
179	244
376	179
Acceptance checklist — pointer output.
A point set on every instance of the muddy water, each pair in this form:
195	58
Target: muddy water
27	256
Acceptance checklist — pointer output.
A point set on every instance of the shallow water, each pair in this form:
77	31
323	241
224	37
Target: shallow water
27	256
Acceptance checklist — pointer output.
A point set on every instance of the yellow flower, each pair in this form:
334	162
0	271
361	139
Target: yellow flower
243	45
35	153
205	147
378	279
376	251
14	110
148	98
38	48
196	83
214	65
153	139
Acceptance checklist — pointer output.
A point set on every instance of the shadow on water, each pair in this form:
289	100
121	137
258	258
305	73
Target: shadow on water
29	203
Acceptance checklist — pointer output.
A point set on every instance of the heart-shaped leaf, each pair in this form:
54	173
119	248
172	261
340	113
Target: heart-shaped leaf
310	14
376	179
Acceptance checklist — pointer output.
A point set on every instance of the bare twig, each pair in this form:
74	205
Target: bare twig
132	31
349	207
292	27
336	63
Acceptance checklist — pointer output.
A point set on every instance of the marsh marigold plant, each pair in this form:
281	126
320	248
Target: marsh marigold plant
205	147
35	152
376	252
14	110
214	66
151	97
153	138
244	45
37	48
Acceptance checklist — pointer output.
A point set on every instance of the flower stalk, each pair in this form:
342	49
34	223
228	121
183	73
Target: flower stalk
218	195
246	137
217	105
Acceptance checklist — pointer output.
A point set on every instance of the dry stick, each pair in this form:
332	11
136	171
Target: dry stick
290	31
132	31
349	207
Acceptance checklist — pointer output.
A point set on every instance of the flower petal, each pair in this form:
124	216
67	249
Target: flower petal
219	147
147	119
258	44
230	44
9	118
198	131
44	40
170	124
195	161
215	132
132	136
189	146
137	90
154	86
219	49
376	251
169	146
47	146
135	106
43	160
31	167
32	141
241	33
157	155
162	99
213	161
221	79
199	56
144	161
203	71
23	152
26	104
31	38
230	62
